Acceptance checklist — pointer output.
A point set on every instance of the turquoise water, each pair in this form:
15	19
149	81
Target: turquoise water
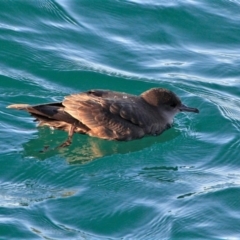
184	184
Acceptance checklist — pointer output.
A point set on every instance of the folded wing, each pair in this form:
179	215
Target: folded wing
107	116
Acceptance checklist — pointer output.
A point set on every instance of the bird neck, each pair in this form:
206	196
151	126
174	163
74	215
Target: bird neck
150	97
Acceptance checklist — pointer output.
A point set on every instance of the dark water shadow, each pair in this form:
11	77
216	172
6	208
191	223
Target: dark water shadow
85	148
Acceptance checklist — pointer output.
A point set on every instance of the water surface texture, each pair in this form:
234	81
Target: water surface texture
184	184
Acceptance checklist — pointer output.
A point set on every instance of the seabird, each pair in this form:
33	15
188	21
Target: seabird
110	115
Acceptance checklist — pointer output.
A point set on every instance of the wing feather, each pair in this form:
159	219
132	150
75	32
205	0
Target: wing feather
111	117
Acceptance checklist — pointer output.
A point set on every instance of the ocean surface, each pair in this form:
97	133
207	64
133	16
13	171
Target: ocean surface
183	184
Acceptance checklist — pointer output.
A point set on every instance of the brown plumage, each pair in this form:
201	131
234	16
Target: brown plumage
110	115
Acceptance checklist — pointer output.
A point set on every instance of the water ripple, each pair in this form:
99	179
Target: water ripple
29	192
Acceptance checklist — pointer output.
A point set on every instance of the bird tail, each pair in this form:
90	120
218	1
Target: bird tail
19	106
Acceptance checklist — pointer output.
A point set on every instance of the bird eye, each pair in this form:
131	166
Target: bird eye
173	105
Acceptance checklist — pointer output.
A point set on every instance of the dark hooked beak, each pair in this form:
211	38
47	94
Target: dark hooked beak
184	108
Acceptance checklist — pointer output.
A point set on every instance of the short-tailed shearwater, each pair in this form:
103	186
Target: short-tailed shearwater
110	115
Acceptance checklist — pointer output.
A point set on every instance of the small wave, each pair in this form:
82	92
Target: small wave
29	192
